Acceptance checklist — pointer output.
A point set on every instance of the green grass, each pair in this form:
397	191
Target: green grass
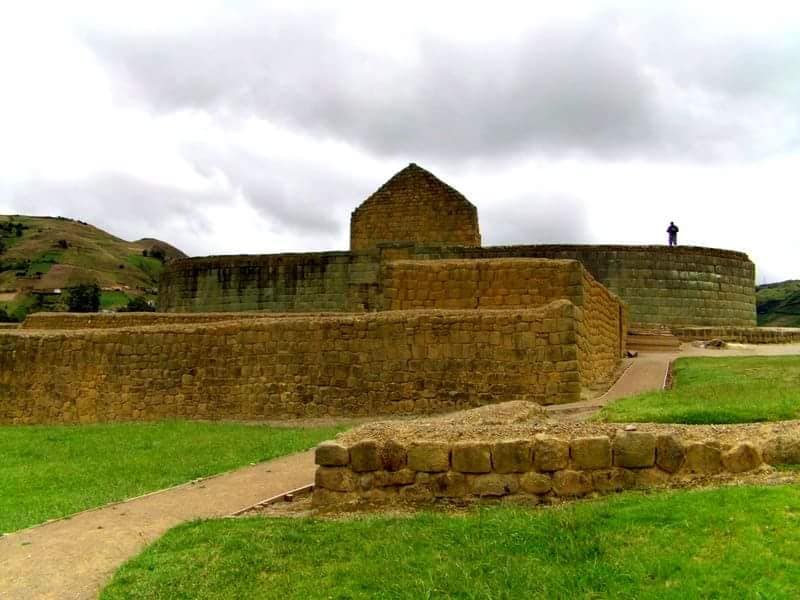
112	300
708	543
53	471
151	266
718	390
42	264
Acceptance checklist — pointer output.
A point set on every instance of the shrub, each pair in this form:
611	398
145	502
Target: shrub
84	298
138	304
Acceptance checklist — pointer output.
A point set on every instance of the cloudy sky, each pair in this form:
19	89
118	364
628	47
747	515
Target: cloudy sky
254	127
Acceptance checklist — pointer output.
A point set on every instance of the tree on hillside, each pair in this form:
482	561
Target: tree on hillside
84	298
138	304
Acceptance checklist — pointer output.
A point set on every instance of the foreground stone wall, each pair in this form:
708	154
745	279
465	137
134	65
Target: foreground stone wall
344	365
554	463
683	286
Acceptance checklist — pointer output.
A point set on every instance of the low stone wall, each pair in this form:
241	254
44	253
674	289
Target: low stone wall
341	365
70	321
550	462
739	335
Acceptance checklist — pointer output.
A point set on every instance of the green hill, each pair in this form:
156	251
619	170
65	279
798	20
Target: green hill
41	256
778	304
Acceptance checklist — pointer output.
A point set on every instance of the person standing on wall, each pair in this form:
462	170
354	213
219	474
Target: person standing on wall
672	230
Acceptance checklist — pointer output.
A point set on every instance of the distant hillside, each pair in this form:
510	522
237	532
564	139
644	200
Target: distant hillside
39	255
778	304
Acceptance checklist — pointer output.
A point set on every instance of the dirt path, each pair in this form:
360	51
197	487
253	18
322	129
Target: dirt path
72	558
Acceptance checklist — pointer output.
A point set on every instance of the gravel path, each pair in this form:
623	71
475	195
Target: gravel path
72	558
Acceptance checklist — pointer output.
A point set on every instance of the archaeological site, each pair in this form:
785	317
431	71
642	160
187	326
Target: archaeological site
417	318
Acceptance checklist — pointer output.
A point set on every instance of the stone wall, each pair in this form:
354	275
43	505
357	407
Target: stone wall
343	365
70	321
516	283
683	286
553	462
326	281
415	206
740	335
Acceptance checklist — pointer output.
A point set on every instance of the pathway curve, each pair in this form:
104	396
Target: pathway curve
73	558
646	373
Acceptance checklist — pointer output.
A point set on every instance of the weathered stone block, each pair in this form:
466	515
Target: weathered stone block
613	480
338	479
513	456
323	497
471	457
364	456
550	453
493	484
387	478
393	456
535	483
669	453
703	457
571	483
331	454
449	485
744	456
782	450
430	457
634	449
651	478
591	452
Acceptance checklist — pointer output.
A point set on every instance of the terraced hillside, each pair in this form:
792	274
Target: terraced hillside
39	256
779	304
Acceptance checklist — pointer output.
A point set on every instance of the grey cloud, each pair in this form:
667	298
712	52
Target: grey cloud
291	195
535	219
580	87
129	207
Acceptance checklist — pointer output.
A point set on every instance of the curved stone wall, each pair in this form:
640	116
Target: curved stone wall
683	286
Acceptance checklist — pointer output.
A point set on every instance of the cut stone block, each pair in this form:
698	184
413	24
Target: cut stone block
572	483
493	484
337	479
512	456
364	456
703	457
535	483
634	449
550	453
331	454
430	457
670	453
472	457
591	452
744	456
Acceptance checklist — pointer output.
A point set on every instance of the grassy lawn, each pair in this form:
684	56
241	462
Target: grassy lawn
52	471
111	300
707	543
718	390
